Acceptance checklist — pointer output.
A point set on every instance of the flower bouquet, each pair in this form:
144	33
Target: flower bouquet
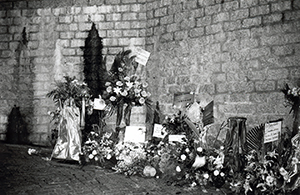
99	149
125	89
71	98
131	158
292	99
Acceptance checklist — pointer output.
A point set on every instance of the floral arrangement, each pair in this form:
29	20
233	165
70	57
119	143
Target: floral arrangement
98	149
292	95
67	92
183	164
292	98
70	89
127	90
130	157
124	89
275	172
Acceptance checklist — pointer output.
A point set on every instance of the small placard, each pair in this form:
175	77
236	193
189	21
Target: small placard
272	131
159	131
99	104
141	55
208	114
135	134
176	138
181	100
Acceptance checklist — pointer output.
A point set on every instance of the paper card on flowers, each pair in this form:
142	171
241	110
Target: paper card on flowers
142	55
272	131
99	104
159	131
135	134
176	138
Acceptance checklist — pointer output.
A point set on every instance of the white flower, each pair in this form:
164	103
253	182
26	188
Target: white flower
145	84
109	89
112	98
269	180
216	172
144	93
142	100
129	85
96	158
187	150
199	149
107	83
183	157
124	93
178	169
108	156
91	156
117	90
94	152
205	175
222	174
119	83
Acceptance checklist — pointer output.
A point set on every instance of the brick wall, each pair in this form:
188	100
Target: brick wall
56	31
238	53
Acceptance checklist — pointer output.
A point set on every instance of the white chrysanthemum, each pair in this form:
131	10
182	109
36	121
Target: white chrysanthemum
178	169
91	156
94	152
144	93
109	89
145	84
142	100
206	175
96	158
112	98
216	172
119	83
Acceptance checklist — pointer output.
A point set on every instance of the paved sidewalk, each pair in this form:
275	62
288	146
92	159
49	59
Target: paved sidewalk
21	173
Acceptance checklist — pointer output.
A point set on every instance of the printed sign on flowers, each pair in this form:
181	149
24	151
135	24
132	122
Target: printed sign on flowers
135	134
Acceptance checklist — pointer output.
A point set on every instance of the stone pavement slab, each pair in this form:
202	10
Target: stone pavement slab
24	174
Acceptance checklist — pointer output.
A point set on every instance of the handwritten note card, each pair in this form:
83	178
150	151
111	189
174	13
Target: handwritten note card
272	131
159	131
142	55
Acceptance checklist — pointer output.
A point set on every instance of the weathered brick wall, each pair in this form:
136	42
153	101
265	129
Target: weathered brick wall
56	31
238	53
